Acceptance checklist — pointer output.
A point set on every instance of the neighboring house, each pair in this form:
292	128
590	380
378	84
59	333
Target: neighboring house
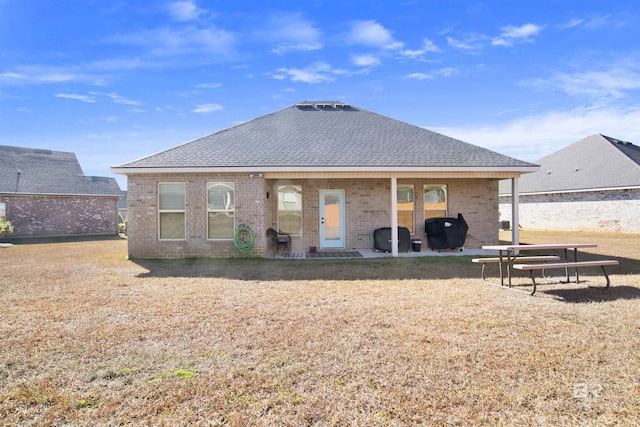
328	173
45	193
593	184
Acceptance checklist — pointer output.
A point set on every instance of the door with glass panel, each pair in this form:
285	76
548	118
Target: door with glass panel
332	219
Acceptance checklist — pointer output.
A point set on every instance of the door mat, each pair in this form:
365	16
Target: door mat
291	255
334	254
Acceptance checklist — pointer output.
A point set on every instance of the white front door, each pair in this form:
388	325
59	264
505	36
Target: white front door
332	219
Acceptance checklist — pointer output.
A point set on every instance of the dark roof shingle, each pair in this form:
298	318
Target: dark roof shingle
37	171
325	134
594	162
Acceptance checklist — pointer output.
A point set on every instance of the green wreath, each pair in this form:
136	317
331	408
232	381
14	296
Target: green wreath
244	239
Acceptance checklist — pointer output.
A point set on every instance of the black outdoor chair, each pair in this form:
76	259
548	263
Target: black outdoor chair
279	239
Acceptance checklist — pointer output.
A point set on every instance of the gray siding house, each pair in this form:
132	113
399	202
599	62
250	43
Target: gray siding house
44	193
592	184
326	172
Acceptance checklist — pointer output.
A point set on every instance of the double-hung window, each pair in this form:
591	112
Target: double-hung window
171	210
435	201
406	197
290	209
220	210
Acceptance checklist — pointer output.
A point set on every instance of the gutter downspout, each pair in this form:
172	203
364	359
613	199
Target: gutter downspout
394	217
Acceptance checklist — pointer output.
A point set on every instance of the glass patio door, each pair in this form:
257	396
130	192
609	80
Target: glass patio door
332	219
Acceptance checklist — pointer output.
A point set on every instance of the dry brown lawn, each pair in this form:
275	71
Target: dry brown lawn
88	337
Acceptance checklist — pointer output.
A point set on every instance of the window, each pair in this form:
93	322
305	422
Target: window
172	210
435	201
3	212
220	210
290	209
406	206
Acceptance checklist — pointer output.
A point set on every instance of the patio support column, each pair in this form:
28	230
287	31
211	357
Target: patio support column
394	216
515	210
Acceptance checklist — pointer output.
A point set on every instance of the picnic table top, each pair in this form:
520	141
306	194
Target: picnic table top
543	246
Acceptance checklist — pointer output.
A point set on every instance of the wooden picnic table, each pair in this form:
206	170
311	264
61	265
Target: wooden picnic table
508	255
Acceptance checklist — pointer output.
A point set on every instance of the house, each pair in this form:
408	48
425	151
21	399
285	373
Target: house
44	193
592	184
326	172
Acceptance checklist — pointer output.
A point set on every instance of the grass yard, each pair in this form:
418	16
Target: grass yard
90	338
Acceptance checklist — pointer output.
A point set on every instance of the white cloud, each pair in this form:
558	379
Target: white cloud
290	32
418	76
121	100
530	138
207	108
119	64
179	42
427	46
470	42
185	10
316	73
446	72
511	35
77	97
443	72
302	47
370	33
598	22
571	23
596	85
365	60
38	75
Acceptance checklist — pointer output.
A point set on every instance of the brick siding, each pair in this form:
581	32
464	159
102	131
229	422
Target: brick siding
609	211
48	216
367	208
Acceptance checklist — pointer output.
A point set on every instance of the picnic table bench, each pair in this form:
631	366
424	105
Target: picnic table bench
485	261
510	258
598	263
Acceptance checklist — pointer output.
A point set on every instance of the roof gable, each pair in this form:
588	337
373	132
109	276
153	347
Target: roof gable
594	162
324	134
36	171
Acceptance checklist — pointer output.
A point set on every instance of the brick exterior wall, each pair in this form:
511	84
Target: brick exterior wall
609	211
368	206
142	215
49	216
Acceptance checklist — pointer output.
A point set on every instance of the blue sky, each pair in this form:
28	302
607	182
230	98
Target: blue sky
116	80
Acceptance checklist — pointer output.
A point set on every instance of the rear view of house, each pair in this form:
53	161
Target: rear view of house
44	193
325	172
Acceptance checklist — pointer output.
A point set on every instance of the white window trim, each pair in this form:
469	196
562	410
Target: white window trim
413	208
232	184
183	211
301	210
446	201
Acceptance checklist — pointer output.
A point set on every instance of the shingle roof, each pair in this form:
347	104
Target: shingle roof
594	162
324	134
36	171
